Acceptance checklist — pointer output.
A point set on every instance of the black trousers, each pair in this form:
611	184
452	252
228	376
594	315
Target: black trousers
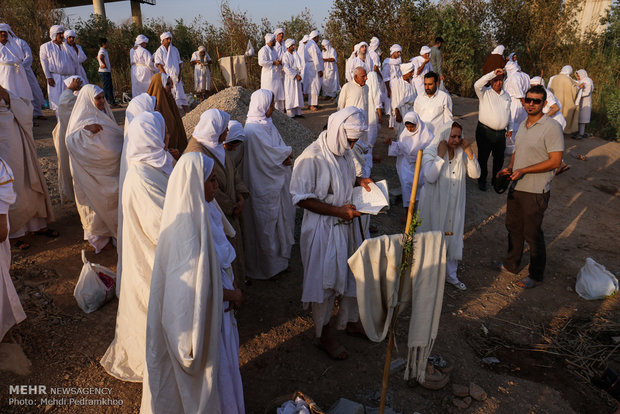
490	141
108	92
524	216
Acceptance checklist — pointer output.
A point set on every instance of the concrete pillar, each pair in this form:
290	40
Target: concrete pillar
136	13
99	7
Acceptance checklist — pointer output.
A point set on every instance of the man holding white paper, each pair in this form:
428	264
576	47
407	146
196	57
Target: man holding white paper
322	184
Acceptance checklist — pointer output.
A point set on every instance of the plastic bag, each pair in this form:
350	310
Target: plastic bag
95	286
595	282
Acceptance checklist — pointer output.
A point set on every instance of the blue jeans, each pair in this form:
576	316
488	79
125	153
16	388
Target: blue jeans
108	91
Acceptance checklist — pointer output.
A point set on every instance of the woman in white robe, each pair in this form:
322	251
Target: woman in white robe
95	142
442	203
11	311
331	81
191	338
142	68
585	104
269	213
142	201
416	136
291	65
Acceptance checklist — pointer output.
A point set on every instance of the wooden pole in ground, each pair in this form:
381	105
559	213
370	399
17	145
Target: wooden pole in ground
403	272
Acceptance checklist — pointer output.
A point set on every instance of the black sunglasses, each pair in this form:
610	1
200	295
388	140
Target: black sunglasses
535	101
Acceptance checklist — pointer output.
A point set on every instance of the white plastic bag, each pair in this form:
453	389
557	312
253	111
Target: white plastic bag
595	282
90	291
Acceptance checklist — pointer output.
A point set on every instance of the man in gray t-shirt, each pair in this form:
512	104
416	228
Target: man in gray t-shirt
539	146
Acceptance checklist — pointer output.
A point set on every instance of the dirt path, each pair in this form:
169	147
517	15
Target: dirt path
277	352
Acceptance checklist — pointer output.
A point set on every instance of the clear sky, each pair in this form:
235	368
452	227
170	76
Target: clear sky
275	11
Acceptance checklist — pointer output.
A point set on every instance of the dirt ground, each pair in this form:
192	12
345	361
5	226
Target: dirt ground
277	353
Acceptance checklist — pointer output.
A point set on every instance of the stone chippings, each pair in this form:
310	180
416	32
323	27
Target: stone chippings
236	101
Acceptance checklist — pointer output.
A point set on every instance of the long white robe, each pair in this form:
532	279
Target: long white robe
331	81
403	98
33	208
551	100
585	104
293	96
142	70
11	311
435	111
442	203
170	59
270	73
269	213
78	58
143	196
57	65
63	113
37	95
13	76
418	79
94	160
202	74
516	85
314	65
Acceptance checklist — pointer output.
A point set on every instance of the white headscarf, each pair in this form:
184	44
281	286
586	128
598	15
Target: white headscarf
202	49
259	104
422	135
212	124
567	70
141	39
395	48
405	68
424	50
235	132
325	43
583	75
6	28
269	37
69	33
165	35
86	113
348	123
304	39
146	141
374	43
278	31
313	34
537	80
141	103
288	43
499	50
359	46
511	68
7	194
54	30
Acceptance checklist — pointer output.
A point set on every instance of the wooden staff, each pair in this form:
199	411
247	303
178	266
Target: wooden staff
388	355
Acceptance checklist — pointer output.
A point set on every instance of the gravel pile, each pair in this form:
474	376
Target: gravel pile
235	101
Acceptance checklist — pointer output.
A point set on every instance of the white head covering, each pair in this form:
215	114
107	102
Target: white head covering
374	43
212	124
165	35
360	44
537	80
55	29
141	103
202	49
68	81
141	39
259	104
424	50
304	39
86	113
278	31
269	37
511	68
313	34
325	43
421	134
288	43
405	68
348	123
235	132
583	75
395	48
145	141
567	70
499	50
5	28
7	194
69	33
510	56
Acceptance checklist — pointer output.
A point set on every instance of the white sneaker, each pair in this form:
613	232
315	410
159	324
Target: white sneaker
459	285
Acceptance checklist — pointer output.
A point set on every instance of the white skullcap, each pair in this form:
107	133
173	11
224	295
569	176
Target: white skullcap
360	44
202	49
405	68
165	35
567	70
288	43
269	37
304	39
313	34
536	80
55	29
278	31
424	50
70	33
141	39
499	50
395	48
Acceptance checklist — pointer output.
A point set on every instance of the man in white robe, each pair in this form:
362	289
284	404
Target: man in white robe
331	81
391	70
38	100
301	52
142	66
434	106
280	49
56	63
322	184
76	54
33	208
403	96
63	113
95	142
168	60
270	63
446	163
291	65
202	75
373	54
422	65
361	59
269	213
314	70
13	76
11	311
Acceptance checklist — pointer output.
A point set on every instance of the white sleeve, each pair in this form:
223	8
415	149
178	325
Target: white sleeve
264	59
431	164
479	85
44	61
473	166
447	111
27	52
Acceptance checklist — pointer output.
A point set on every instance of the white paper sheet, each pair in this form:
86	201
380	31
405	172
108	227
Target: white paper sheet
373	201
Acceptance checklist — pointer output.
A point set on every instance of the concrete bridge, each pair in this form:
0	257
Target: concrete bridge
99	7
